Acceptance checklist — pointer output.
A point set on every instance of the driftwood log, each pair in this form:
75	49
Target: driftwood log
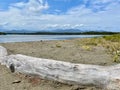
106	77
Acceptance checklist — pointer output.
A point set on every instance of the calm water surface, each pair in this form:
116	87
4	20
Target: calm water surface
28	38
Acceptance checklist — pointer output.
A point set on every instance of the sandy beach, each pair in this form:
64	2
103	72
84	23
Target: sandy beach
64	50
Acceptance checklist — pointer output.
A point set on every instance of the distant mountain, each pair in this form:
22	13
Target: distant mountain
52	31
19	31
66	30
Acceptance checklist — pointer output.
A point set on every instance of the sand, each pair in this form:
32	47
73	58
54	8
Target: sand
64	50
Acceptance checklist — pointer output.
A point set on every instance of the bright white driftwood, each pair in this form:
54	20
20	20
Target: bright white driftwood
3	54
106	77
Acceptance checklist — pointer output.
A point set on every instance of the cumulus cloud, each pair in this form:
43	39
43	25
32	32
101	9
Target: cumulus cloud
92	14
23	15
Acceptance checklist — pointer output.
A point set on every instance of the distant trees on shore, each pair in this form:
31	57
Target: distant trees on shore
2	33
64	33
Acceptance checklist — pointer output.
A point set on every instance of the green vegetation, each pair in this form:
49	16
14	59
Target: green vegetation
88	48
58	45
64	33
113	38
110	42
1	33
113	46
99	33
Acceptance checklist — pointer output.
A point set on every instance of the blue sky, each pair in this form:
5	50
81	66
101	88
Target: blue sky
60	14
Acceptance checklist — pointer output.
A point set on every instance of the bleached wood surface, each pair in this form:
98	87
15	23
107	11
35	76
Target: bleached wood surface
106	77
3	54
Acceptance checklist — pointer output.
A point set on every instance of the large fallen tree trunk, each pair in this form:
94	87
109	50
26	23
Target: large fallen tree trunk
106	77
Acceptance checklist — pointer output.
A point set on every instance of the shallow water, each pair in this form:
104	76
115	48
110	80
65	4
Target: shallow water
28	38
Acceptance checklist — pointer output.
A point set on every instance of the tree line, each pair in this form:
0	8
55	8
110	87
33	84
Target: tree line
64	33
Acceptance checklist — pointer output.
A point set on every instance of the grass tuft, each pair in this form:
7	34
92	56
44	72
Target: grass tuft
110	42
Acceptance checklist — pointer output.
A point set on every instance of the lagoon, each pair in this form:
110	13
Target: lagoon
28	38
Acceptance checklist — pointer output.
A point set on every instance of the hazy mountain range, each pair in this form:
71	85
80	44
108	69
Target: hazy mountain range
58	32
52	31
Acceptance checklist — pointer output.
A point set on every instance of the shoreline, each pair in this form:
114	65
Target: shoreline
32	38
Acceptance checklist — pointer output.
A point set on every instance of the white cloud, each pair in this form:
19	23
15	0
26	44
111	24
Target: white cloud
32	5
29	16
23	15
20	4
79	11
